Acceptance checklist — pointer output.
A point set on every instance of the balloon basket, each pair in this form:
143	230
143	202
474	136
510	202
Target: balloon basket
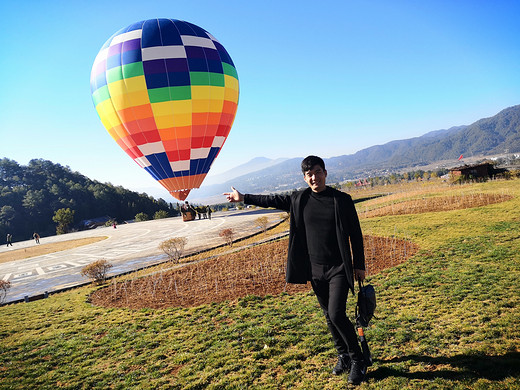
188	216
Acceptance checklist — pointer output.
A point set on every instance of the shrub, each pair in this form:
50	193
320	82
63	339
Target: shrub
139	217
284	216
174	248
97	271
110	222
4	286
262	223
227	235
161	214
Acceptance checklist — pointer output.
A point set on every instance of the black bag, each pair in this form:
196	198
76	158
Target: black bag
366	304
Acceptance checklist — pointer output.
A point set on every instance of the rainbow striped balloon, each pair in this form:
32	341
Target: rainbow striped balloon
167	92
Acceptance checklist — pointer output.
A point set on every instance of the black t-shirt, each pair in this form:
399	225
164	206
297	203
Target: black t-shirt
320	228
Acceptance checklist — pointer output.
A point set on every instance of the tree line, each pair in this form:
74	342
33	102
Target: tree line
31	195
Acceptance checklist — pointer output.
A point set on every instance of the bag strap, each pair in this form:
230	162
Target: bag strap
360	284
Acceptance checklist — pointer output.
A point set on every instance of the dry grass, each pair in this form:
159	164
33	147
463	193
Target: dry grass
431	204
45	249
254	271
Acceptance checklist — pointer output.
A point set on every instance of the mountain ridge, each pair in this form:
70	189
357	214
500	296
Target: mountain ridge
253	165
487	136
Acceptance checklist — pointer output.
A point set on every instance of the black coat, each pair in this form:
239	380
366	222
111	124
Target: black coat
348	233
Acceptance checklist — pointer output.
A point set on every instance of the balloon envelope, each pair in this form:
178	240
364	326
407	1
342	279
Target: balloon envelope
167	92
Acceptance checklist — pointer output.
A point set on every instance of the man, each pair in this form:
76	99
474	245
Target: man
325	248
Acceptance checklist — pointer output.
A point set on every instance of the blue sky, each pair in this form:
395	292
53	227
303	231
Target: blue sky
327	78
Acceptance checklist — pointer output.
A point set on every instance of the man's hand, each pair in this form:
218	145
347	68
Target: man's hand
234	195
359	274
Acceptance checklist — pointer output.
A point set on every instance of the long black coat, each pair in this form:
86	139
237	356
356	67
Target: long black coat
348	232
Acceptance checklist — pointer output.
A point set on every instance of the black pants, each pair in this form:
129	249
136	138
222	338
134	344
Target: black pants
329	283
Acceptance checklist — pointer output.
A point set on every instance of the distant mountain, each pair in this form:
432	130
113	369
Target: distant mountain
441	133
488	136
256	164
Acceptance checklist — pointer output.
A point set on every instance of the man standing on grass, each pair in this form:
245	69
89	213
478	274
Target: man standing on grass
325	248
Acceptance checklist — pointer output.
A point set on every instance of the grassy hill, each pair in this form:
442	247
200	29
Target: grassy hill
446	319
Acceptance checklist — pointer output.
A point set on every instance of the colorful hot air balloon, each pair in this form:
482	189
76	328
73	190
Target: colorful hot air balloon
167	92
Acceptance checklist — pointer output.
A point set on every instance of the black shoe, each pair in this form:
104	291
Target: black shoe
358	372
343	364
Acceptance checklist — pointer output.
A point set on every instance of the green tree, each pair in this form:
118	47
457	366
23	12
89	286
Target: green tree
36	191
63	217
34	202
7	214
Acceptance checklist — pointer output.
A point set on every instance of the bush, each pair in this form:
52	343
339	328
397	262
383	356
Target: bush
139	217
4	286
110	222
227	235
161	214
174	248
284	216
262	223
97	271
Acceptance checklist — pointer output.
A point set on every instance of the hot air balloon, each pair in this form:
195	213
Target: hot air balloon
167	92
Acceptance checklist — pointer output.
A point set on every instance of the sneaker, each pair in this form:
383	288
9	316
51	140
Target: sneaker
343	364
358	372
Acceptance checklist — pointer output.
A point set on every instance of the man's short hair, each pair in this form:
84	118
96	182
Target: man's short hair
310	161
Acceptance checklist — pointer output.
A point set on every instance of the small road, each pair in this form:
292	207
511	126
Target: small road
129	247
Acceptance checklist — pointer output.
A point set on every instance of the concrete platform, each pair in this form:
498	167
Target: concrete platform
128	247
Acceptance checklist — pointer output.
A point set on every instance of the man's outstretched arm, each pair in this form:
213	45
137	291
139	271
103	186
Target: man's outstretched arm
281	202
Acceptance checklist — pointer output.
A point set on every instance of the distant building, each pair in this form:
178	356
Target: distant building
478	171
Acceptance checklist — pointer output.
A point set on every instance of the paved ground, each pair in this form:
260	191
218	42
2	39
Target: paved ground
129	247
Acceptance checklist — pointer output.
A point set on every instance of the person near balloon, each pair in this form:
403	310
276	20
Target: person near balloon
185	207
325	248
188	212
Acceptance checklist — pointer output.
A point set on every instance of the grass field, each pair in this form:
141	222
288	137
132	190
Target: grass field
448	318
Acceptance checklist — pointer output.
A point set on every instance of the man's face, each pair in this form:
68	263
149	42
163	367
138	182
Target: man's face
315	178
